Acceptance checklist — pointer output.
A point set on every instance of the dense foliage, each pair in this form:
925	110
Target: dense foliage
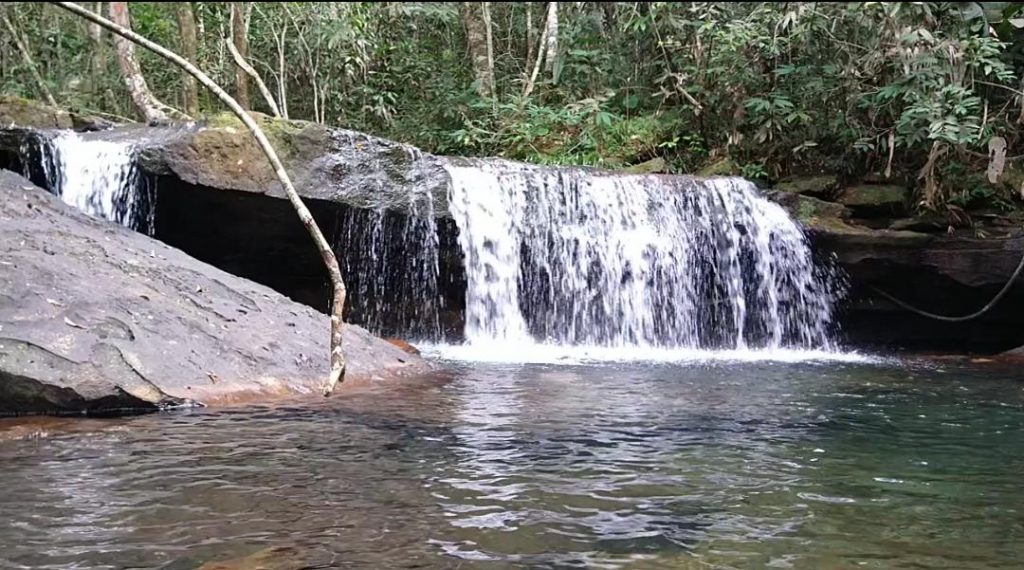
913	90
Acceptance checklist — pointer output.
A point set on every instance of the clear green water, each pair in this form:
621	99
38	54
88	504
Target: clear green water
722	465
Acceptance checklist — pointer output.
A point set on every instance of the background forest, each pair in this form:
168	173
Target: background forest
920	92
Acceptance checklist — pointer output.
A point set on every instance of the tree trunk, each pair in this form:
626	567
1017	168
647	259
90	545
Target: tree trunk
282	75
479	48
489	28
552	44
148	106
529	35
26	56
99	56
240	38
190	50
337	357
530	83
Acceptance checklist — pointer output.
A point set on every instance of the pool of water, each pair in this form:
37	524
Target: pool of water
719	464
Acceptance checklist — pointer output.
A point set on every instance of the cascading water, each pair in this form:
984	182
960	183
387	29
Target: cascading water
390	264
98	177
567	256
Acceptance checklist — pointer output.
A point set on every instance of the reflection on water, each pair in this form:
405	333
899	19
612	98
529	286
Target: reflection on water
720	465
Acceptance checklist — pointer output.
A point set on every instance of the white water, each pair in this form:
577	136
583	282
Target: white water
631	265
528	352
96	176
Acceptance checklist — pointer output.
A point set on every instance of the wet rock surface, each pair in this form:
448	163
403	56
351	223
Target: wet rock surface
218	200
922	261
324	163
97	318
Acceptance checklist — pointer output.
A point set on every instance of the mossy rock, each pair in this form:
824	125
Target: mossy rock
656	164
872	199
818	186
18	112
807	208
721	167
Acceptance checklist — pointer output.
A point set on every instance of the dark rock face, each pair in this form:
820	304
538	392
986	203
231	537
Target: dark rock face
95	317
947	275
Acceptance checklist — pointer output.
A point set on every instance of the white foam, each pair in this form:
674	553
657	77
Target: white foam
532	353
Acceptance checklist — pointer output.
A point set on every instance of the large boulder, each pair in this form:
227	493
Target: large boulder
95	317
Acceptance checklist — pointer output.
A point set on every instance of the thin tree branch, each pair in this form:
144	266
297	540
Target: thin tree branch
244	65
337	357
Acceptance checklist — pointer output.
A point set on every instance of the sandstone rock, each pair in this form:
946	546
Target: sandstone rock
95	317
928	223
404	345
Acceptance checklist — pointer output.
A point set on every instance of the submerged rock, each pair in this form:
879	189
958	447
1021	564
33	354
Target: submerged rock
95	317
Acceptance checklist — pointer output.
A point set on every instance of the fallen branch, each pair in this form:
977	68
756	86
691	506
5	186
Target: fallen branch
337	357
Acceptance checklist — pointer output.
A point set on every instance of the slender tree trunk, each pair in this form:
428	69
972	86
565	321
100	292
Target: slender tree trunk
282	75
529	35
326	253
189	50
489	28
476	41
148	106
552	44
240	38
26	56
530	83
99	55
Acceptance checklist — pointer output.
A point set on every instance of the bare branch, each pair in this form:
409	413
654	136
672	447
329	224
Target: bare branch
337	357
244	65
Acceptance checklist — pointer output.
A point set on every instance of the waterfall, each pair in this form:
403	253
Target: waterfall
569	256
390	265
98	177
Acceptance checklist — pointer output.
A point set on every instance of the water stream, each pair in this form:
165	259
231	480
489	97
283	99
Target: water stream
97	176
723	465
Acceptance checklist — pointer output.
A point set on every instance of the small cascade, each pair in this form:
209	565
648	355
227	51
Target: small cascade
98	177
568	256
390	264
